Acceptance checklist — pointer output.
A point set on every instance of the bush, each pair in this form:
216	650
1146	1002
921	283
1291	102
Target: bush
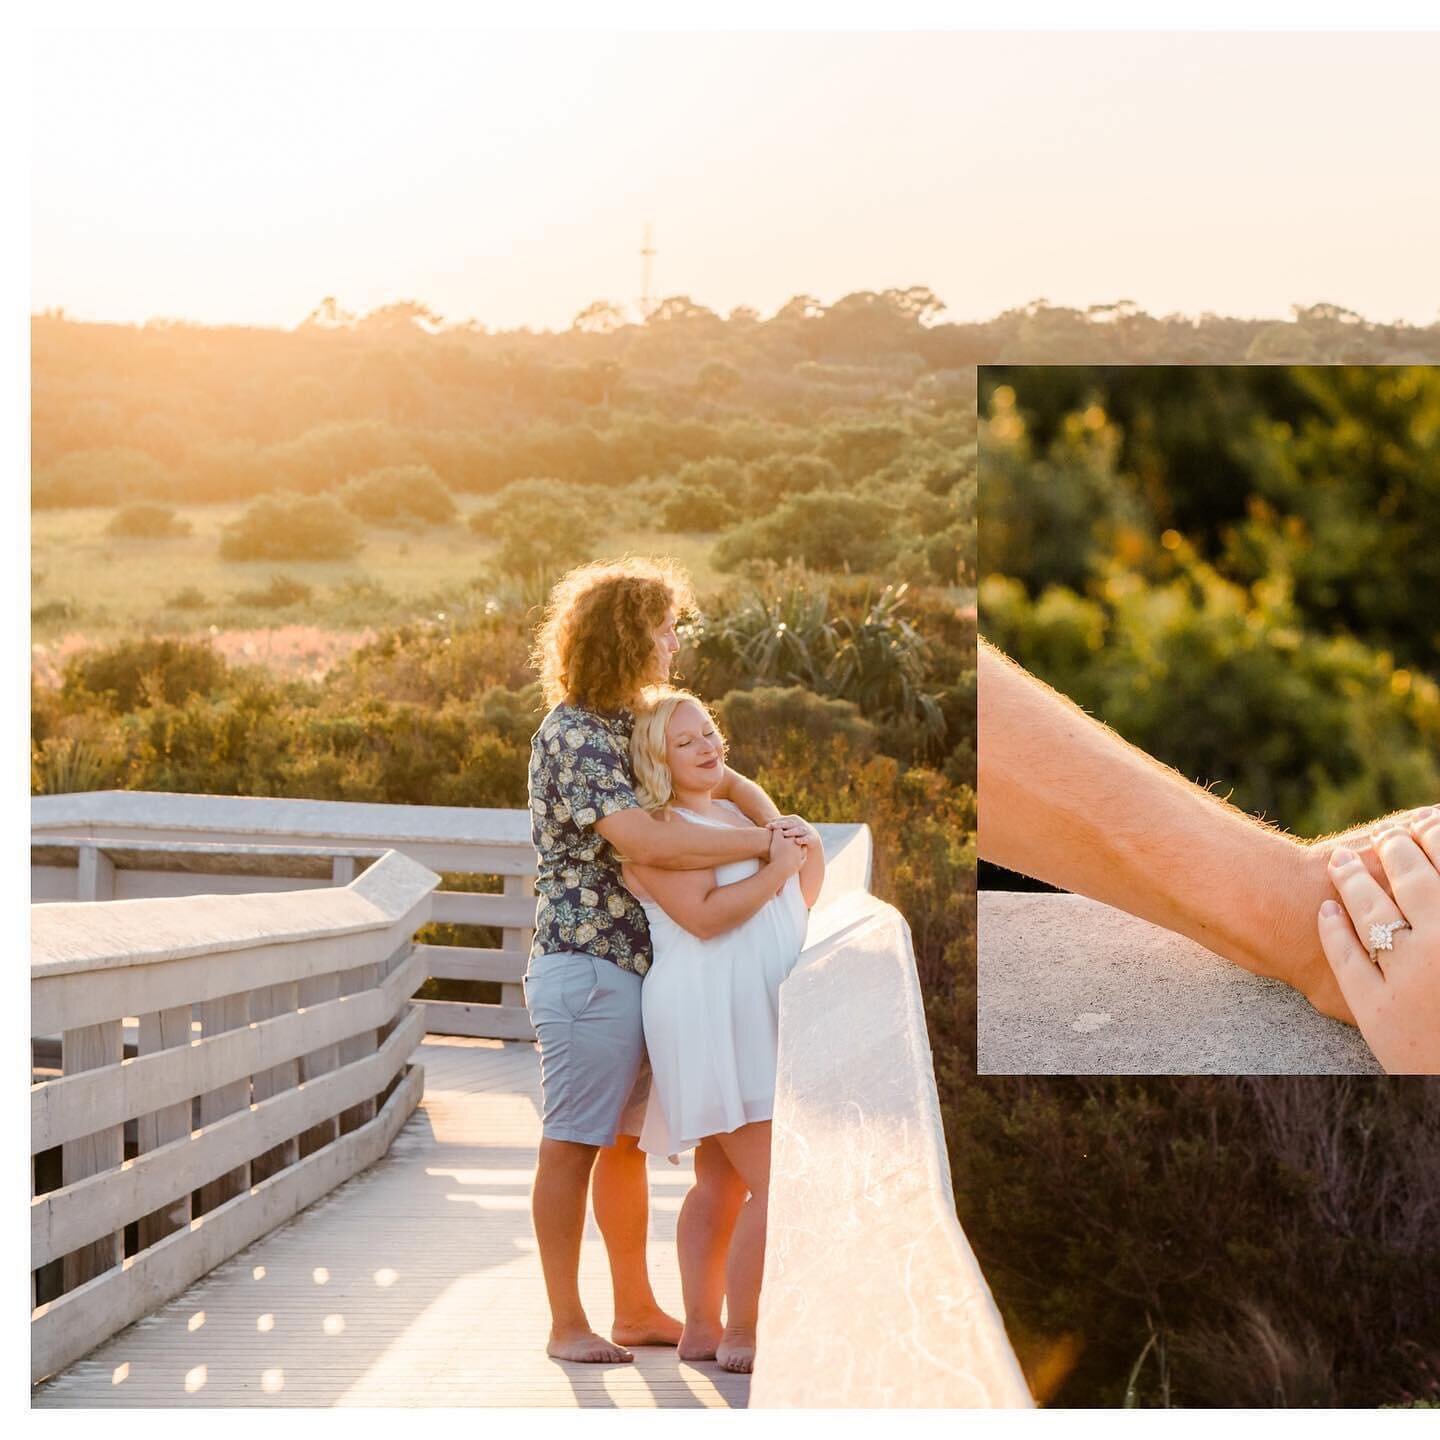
190	598
758	723
132	673
543	526
291	527
100	477
147	522
701	508
282	590
822	531
400	495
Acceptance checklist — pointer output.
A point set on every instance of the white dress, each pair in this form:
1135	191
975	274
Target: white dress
711	1010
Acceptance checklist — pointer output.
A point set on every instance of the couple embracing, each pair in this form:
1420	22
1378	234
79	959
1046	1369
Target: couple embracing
672	900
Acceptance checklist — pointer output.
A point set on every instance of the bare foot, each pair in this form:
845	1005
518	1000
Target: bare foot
700	1341
652	1328
736	1350
586	1347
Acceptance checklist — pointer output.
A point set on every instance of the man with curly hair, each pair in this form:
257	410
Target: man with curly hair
608	632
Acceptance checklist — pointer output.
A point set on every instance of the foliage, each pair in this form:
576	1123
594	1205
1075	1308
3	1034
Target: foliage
399	495
291	527
143	521
281	592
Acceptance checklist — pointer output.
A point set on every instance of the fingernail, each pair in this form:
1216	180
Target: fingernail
1329	909
1425	812
1342	856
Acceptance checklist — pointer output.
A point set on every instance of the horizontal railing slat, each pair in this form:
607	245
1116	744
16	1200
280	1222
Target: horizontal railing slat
461	962
463	907
76	1105
63	1220
485	1022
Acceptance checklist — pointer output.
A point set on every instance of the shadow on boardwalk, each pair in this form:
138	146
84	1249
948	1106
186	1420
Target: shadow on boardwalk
417	1283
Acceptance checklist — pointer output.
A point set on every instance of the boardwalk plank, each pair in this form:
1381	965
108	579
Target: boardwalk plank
417	1283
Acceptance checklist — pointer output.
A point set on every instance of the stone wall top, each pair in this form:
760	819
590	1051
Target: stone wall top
1069	986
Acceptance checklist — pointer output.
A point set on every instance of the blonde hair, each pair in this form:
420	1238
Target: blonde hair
653	782
596	644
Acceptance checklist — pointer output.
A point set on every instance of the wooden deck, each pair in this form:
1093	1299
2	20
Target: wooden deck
416	1283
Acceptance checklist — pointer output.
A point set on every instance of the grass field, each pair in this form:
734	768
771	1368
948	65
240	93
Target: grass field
89	587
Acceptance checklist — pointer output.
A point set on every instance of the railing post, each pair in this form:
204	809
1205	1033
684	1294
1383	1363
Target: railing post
162	1030
87	1048
512	992
95	874
216	1016
266	1002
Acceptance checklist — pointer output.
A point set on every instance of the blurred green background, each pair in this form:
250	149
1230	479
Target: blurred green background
1238	568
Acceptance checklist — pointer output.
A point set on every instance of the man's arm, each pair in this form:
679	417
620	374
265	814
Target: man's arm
671	842
1066	800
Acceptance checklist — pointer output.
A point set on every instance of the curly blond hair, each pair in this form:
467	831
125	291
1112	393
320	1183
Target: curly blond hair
596	644
654	784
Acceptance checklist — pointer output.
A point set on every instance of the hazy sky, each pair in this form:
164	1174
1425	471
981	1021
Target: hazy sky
241	177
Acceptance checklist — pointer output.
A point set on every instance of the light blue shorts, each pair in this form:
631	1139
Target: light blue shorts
594	1077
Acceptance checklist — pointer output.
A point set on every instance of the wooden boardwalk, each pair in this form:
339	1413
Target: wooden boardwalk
416	1283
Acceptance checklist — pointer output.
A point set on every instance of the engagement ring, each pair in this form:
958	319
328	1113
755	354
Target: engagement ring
1381	936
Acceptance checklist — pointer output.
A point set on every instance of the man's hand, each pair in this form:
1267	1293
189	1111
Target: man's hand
795	828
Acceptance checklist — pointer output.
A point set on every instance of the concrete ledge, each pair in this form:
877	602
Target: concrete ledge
1068	986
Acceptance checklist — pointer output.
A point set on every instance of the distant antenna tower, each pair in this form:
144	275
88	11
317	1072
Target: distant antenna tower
647	254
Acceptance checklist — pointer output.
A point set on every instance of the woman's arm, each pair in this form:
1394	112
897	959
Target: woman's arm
751	800
693	900
812	872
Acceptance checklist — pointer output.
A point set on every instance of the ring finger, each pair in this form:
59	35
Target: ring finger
1372	912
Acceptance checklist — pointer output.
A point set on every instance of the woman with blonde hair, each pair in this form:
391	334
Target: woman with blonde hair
722	939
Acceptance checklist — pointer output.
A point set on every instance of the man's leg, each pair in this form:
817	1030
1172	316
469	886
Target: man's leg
562	1177
621	1197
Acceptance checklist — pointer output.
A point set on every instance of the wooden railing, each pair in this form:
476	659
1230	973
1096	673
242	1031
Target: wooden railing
872	1295
149	843
273	1035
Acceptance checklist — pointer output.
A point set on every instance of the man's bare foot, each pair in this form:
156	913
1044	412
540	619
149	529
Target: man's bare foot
654	1327
587	1348
700	1341
736	1350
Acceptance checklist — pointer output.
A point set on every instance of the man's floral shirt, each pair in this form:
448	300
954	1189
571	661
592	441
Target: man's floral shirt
580	772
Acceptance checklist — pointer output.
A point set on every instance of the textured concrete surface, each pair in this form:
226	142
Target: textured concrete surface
1069	986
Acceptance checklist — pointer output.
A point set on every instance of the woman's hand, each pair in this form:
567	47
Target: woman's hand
1396	996
786	855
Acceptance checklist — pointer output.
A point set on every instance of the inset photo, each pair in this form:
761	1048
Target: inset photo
1209	720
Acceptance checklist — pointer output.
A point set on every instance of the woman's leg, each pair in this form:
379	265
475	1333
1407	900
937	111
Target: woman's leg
702	1238
748	1151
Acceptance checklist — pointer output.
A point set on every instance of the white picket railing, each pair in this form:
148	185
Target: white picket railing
274	1035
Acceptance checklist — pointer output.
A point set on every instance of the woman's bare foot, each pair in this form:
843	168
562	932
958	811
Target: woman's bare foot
587	1348
654	1327
700	1340
736	1350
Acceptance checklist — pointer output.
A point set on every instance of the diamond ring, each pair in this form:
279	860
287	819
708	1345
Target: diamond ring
1382	936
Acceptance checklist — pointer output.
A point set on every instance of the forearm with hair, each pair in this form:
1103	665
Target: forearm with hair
1068	801
674	843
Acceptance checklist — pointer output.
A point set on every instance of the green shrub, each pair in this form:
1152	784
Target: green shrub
543	527
400	495
147	522
286	526
757	723
132	673
843	531
700	508
190	598
282	591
